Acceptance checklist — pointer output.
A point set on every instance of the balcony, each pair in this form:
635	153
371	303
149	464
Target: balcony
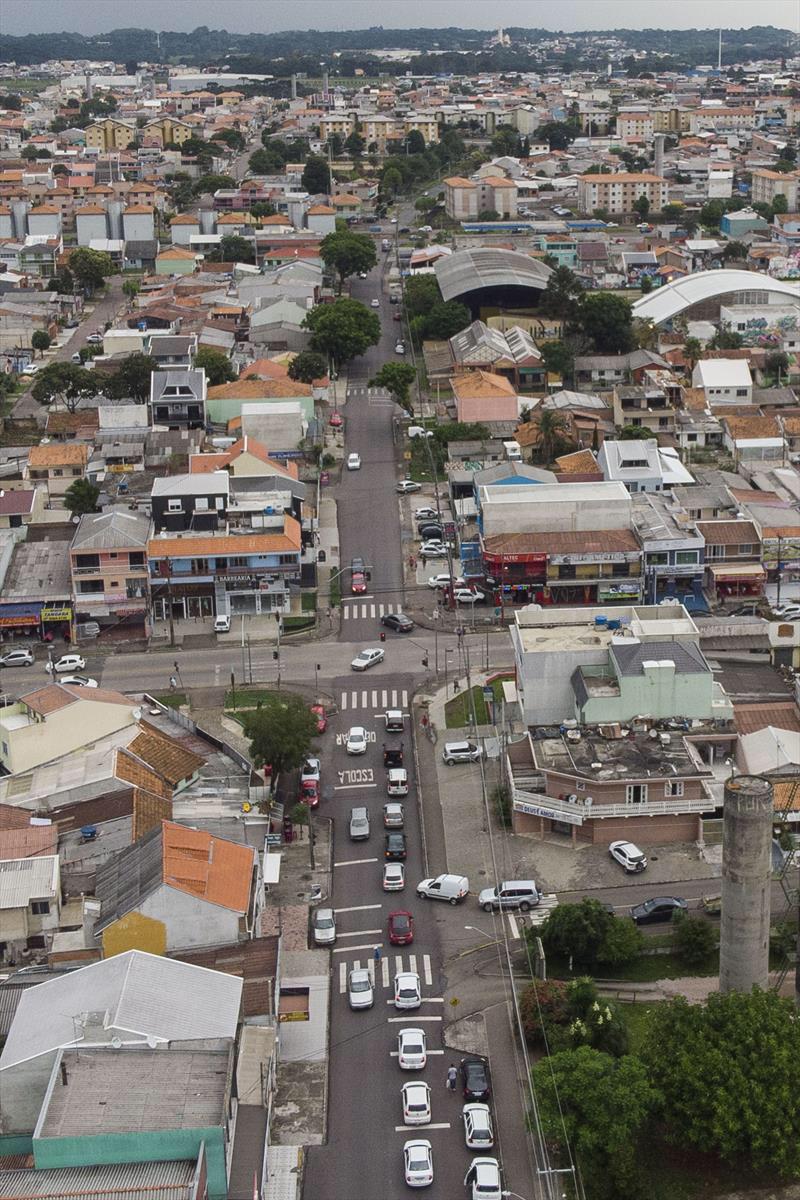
111	569
529	797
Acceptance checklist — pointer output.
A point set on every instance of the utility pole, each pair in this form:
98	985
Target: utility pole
169	602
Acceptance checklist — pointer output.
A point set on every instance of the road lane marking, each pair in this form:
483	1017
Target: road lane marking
385	972
394	698
412	963
364	699
513	926
342	978
359	933
351	787
433	999
426	963
358	908
396	1053
343	704
435	1125
350	949
374	699
354	862
416	1018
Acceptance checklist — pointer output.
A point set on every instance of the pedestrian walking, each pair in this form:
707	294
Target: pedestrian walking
377	955
424	559
452	1076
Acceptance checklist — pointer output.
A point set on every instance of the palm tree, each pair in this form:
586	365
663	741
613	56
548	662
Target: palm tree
552	430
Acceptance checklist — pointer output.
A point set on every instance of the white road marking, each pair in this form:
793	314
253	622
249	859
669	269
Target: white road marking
426	964
354	862
350	949
412	963
433	999
351	787
396	1053
374	699
404	1020
359	933
405	1128
358	908
342	978
512	924
385	972
364	699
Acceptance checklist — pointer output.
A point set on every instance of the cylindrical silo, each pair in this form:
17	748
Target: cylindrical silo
746	875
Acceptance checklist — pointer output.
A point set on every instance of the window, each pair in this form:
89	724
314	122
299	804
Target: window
136	558
40	908
741	391
57	471
658	560
112	554
87	562
174	506
636	793
201	504
673	787
691	437
684	557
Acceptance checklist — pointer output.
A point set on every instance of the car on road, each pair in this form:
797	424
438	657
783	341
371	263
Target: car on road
483	1180
72	323
400	926
336	420
397	782
425	229
222	623
394	877
323	924
358	583
425	514
311	769
407	992
460	752
511	893
360	993
322	717
452	888
404	486
80	681
94	339
359	824
475	1078
397	316
416	1103
309	792
67	663
468	595
399	622
356	740
478	1132
418	1163
412	1050
658	909
399	348
375	303
20	657
367	658
628	856
354	462
433	550
393	816
395	847
444	580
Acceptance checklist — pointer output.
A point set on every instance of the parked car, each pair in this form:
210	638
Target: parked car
404	486
416	1103
375	303
430	531
394	877
412	1050
395	847
311	769
323	924
360	993
483	1180
467	595
399	348
309	792
20	657
322	717
400	928
94	339
426	513
399	622
80	681
659	908
459	752
356	740
418	1163
628	856
407	992
222	624
336	420
433	550
475	1078
444	580
354	462
366	659
67	662
358	583
359	824
478	1126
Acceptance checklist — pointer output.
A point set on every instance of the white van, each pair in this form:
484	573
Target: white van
452	888
397	784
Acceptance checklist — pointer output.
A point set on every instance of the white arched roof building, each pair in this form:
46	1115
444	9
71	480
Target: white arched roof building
674	298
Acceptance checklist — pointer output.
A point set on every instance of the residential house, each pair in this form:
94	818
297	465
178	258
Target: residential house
108	558
766	185
30	905
643	466
176	261
178	398
56	719
461	198
732	558
191	503
724	381
673	550
618	193
173	352
509	352
754	439
648	406
178	888
484	396
56	465
18	509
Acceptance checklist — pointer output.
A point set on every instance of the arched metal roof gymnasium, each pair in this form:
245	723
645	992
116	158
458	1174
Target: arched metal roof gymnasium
674	298
488	269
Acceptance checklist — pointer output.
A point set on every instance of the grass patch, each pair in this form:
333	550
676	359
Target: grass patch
335	590
308	602
637	1020
250	697
458	711
294	624
172	699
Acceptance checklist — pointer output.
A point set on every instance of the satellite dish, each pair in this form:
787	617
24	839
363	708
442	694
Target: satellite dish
116	1043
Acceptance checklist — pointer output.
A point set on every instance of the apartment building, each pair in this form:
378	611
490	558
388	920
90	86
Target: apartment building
618	193
110	134
636	123
767	185
108	565
461	198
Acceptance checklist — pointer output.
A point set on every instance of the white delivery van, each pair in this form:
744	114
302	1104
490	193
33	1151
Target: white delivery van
397	784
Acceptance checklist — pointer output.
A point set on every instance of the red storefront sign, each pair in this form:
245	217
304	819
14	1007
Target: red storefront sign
530	560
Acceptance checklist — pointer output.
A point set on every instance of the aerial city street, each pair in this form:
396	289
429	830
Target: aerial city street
399	601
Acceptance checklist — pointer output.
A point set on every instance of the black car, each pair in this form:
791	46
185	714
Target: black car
430	530
399	622
475	1078
395	847
660	908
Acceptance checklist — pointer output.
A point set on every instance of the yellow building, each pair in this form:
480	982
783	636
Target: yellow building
168	129
109	134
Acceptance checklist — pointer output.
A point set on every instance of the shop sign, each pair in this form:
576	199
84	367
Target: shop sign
57	612
541	810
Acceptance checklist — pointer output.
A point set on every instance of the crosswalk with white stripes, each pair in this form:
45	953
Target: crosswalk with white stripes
383	972
374	699
364	390
353	609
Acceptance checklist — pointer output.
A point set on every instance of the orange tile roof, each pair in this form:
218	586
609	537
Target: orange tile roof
167	757
259	389
30	841
200	864
59	454
481	385
54	696
90	210
248	543
139	209
457	181
130	769
44	210
175	252
201	464
578	463
184	219
752	427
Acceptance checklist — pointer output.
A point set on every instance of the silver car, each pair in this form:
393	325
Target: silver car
359	824
323	923
360	993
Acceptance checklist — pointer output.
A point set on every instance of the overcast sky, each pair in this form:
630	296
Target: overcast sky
263	16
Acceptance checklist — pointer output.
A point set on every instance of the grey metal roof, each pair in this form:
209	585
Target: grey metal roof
686	656
134	1181
145	248
116	528
486	266
172	344
203	483
193	381
127	878
25	879
134	996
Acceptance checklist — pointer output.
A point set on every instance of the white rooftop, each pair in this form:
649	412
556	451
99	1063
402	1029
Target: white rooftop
25	879
724	372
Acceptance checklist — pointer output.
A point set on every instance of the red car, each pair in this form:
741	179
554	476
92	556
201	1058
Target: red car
336	420
322	717
401	928
358	583
309	792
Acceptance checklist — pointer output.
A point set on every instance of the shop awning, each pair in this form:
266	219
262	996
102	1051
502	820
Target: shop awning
730	573
20	614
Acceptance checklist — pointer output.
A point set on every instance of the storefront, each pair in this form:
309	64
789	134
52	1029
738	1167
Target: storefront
731	580
35	620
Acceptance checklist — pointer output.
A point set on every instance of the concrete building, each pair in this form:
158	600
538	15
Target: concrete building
91	223
58	719
484	396
641	466
57	465
748	816
767	185
30	905
108	560
178	398
724	381
138	223
673	550
618	193
110	134
461	198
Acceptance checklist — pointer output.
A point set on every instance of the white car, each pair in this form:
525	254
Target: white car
433	549
393	815
404	486
354	462
483	1180
416	1103
418	1163
394	877
465	595
399	348
425	514
67	662
80	681
366	659
478	1126
311	769
375	303
406	990
360	993
628	856
412	1050
323	924
222	624
356	742
444	580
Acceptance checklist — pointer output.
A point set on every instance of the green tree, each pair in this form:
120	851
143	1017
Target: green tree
66	383
11	101
415	142
598	1105
81	497
606	319
728	1074
622	944
557	134
354	144
348	254
421	294
553	431
235	248
391	181
780	205
488	214
207	184
397	378
446	320
307	366
726	339
693	940
342	330
316	177
90	267
40	340
561	295
777	362
735	250
131	380
231	137
260	162
543	1005
641	205
672	212
692	350
262	208
280	733
63	282
335	144
217	366
31	153
574	931
558	359
131	288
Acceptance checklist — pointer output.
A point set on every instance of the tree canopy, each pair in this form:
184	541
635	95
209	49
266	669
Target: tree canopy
90	267
607	320
316	177
307	366
348	254
280	733
397	378
64	382
343	330
217	366
131	380
81	497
